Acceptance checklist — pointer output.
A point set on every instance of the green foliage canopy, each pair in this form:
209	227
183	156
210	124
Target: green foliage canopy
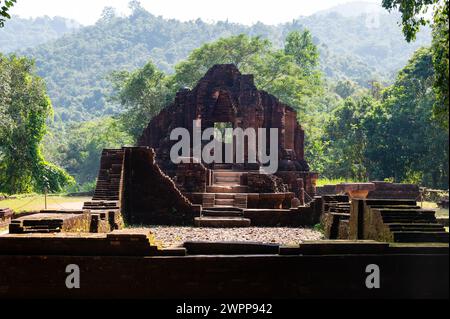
24	109
412	12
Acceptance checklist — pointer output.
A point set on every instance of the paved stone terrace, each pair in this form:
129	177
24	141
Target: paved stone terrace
170	236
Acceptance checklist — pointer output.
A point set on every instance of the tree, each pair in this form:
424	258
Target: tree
4	8
412	12
302	48
345	88
405	142
24	109
143	93
393	136
348	139
241	50
274	71
440	52
83	144
108	14
146	91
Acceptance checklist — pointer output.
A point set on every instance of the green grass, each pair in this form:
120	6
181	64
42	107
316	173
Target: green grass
333	181
440	212
34	202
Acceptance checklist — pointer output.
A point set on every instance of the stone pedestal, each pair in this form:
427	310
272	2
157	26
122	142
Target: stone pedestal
356	190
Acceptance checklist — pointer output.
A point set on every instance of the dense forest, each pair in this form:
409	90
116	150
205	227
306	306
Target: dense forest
76	66
22	33
373	105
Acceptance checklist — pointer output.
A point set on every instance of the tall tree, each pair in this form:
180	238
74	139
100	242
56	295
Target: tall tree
24	109
440	52
408	144
413	16
303	49
143	93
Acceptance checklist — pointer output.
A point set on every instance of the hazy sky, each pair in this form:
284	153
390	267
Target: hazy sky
243	11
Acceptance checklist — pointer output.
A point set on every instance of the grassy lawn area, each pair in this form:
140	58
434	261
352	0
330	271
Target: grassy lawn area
334	181
25	203
440	212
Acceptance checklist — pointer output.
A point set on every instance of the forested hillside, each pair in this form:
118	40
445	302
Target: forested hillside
22	33
373	106
76	66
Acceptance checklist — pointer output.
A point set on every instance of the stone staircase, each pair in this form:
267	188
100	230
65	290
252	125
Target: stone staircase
224	201
413	225
226	217
226	178
395	220
108	181
337	220
226	190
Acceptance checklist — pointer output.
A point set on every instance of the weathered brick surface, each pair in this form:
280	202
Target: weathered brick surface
394	221
48	221
334	275
383	190
149	196
265	183
192	177
225	95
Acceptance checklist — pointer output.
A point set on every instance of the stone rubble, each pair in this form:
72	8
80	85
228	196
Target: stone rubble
169	236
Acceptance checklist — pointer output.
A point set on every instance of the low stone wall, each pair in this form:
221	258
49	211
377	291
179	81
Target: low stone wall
386	190
314	271
383	190
303	216
52	221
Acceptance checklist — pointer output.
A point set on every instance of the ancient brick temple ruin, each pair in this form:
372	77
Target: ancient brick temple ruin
375	223
156	190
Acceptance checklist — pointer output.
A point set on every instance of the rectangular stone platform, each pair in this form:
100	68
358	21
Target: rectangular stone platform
49	221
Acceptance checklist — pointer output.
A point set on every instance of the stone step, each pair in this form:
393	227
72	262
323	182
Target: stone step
227	179
397	220
224	196
226	189
421	237
227	173
419	226
406	212
222	166
224	213
222	222
225	209
224	202
395	206
417	229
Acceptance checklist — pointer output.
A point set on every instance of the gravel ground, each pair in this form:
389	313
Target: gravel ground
175	236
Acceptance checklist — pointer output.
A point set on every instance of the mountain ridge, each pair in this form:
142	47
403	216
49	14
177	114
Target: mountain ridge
77	64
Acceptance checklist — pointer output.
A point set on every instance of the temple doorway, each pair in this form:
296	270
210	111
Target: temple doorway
224	135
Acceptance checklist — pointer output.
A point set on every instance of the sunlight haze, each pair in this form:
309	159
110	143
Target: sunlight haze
246	12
